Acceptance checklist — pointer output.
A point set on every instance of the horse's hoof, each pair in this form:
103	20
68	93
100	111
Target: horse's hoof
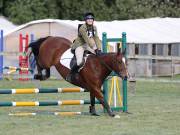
111	114
37	77
43	78
117	116
95	114
92	110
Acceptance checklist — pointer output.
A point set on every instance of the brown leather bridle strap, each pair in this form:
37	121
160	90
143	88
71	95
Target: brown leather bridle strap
103	63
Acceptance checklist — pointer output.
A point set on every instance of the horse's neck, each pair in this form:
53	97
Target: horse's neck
106	61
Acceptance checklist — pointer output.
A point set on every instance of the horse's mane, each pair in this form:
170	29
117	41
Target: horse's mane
107	54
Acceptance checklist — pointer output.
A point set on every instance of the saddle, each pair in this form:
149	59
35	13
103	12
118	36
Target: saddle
73	62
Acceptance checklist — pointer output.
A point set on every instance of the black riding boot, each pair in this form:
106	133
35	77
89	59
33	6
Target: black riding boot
74	70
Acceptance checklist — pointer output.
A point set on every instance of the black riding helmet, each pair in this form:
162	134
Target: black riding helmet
88	15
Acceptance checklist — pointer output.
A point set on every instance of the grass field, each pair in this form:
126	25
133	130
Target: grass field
155	109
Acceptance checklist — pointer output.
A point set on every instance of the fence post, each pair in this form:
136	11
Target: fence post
1	55
105	84
124	80
23	59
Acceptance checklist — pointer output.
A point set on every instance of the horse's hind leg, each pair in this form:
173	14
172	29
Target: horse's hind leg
38	76
47	75
92	109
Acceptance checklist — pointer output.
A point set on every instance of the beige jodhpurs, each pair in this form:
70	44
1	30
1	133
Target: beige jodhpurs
79	51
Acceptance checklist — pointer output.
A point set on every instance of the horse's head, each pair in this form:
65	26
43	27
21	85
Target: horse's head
120	64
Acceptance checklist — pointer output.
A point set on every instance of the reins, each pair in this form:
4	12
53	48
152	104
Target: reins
105	64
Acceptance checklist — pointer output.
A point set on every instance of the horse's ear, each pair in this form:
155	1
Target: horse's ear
118	49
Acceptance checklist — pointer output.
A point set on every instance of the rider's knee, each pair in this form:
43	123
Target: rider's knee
79	62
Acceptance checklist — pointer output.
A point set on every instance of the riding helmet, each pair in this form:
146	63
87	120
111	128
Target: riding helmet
88	15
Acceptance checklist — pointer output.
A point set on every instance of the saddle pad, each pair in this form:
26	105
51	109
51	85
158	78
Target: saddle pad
66	58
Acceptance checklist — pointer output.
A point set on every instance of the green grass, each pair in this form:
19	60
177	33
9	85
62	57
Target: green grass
155	109
174	77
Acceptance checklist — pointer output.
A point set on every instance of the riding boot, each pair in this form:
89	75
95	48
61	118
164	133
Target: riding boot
71	76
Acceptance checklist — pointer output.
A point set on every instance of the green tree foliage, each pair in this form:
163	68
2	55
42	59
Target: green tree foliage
22	11
75	9
1	7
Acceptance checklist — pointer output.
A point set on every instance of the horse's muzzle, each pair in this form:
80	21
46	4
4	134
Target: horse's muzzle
125	77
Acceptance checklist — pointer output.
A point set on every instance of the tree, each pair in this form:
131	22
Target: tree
21	11
1	7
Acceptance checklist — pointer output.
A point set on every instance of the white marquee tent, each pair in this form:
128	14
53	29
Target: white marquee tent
6	25
153	30
160	31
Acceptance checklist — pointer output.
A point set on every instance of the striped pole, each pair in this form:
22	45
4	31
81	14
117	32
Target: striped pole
46	103
41	90
17	69
49	113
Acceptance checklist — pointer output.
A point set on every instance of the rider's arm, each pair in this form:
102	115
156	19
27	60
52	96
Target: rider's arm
96	39
83	33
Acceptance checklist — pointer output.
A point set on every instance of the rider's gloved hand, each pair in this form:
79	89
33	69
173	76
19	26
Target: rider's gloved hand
98	52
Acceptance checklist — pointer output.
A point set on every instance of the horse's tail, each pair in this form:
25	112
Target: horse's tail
33	60
36	45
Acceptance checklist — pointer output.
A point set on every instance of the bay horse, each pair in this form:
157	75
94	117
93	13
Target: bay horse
48	52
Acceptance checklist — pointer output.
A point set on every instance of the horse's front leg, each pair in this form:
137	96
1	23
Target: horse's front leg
98	94
92	109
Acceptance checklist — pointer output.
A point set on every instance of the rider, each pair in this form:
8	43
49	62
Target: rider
87	40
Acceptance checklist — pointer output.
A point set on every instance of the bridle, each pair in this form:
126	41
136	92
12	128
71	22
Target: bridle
114	62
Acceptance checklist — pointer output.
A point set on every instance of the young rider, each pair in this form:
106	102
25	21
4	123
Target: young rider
87	40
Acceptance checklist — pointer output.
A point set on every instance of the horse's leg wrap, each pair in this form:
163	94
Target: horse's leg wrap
47	75
92	109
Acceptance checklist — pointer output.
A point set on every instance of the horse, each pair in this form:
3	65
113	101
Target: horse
48	52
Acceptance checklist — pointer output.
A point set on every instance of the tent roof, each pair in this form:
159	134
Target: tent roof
153	30
6	25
